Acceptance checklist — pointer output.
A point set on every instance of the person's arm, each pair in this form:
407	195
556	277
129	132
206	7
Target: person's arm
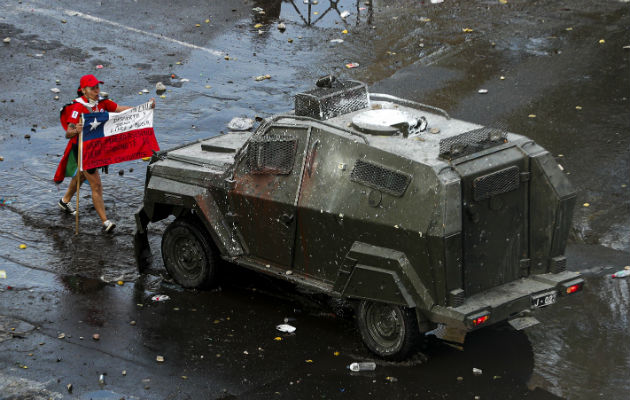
73	130
123	108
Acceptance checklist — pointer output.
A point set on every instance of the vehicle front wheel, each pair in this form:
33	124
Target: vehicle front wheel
188	254
389	331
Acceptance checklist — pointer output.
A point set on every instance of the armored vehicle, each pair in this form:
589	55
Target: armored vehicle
424	222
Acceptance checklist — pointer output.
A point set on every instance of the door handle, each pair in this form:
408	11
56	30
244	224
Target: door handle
287	219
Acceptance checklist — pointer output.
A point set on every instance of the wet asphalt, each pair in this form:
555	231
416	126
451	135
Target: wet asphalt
566	85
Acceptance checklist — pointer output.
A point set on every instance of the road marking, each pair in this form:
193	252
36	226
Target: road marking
155	35
92	18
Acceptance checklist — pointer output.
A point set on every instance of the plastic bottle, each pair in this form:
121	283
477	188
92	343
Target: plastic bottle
362	366
621	274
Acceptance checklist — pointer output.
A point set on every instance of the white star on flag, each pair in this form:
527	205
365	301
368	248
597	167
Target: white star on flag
94	124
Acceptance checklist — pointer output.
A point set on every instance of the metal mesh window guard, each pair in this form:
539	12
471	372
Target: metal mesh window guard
380	178
271	155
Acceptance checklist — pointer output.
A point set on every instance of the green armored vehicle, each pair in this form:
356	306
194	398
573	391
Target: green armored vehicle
425	222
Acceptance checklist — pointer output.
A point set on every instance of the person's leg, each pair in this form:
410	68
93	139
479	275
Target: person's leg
97	193
72	189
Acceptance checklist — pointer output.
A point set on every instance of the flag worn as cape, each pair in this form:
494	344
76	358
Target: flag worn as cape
110	138
68	164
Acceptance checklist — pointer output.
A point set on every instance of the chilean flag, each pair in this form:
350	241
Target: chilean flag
110	138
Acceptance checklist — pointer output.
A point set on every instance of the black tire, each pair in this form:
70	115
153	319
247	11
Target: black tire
188	254
389	331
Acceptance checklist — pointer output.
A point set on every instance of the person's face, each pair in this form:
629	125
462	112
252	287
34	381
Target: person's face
91	92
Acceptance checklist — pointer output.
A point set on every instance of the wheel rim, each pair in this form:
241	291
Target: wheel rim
385	325
189	256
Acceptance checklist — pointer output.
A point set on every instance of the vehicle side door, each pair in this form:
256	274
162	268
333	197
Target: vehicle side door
263	198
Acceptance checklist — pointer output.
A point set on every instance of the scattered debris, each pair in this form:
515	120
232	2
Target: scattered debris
124	372
502	77
99	66
277	338
132	323
258	26
345	31
336	354
55	90
96	336
3	274
282	27
69	387
586	204
460	378
336	41
160	297
352	65
391	379
621	274
345	14
101	379
262	77
477	371
288	328
362	366
241	124
434	130
289	272
602	41
437	1
482	91
61	336
22	246
160	88
578	107
531	116
6	40
159	359
184	80
467	30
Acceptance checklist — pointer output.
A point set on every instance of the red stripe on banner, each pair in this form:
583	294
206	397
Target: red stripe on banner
118	148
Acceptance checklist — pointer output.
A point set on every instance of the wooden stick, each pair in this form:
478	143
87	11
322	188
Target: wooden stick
78	175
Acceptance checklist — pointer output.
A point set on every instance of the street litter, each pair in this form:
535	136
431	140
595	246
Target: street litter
96	336
240	124
184	80
262	77
61	336
3	274
7	40
290	328
160	87
621	274
477	371
282	27
99	66
362	366
467	30
22	246
55	90
352	65
160	297
345	14
145	90
482	91
437	1
345	31
159	359
336	41
101	379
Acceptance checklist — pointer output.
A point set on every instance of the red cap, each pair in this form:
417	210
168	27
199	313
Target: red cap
88	80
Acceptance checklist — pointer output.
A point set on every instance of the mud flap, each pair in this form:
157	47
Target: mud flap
521	323
142	250
452	336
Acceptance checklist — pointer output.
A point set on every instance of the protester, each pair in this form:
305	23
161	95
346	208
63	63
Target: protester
88	102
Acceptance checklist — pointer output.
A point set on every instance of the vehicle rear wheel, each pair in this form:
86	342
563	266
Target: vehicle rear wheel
389	331
188	254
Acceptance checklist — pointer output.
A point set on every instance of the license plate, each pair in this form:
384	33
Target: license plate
544	299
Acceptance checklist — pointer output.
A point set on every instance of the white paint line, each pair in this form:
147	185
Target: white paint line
92	18
155	35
